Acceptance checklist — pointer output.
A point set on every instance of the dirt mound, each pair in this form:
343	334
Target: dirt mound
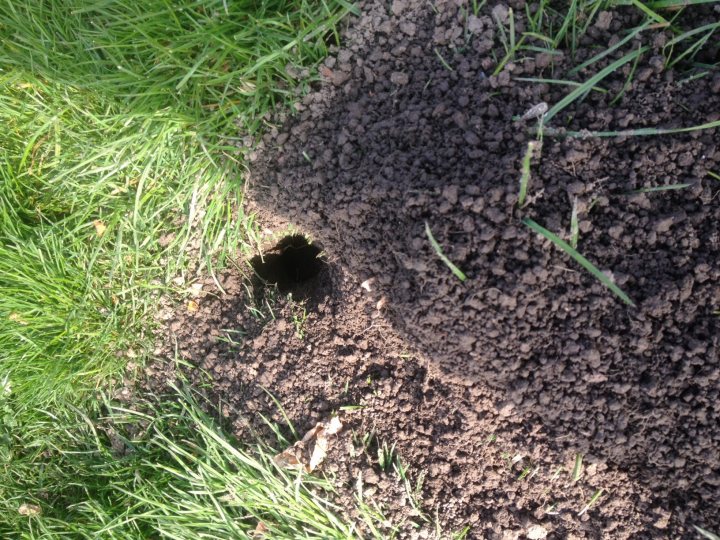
409	127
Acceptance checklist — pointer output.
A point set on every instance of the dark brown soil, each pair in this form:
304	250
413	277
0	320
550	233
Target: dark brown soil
531	360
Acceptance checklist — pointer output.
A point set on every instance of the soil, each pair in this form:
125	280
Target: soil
489	387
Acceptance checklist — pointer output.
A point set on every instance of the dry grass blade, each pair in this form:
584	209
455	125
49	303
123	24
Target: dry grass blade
574	225
455	270
706	534
590	267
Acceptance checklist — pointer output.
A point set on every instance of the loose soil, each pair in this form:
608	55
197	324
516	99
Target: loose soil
490	387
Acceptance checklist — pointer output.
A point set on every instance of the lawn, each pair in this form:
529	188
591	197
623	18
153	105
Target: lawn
121	173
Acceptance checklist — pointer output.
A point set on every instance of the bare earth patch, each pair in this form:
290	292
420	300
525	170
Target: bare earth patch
490	387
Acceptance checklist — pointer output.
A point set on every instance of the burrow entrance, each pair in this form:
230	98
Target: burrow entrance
295	265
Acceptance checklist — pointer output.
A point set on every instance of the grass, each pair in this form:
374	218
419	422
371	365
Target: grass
669	187
119	171
580	259
558	82
212	62
589	84
161	469
596	496
386	456
703	34
577	469
706	534
438	250
636	132
540	25
442	60
547	29
125	130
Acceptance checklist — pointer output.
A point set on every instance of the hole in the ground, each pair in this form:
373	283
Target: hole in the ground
290	264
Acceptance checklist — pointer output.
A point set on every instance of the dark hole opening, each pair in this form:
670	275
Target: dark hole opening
291	263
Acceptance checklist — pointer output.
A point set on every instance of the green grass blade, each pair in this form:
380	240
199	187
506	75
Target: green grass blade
677	4
591	82
559	81
628	82
649	12
692	50
455	270
577	468
592	501
661	188
609	50
638	132
590	267
442	60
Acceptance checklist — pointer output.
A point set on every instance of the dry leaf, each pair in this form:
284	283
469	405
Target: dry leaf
309	453
100	227
193	306
260	530
292	458
14	317
334	426
381	303
27	509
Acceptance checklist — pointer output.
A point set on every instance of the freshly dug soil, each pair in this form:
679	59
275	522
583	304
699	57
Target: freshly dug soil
489	385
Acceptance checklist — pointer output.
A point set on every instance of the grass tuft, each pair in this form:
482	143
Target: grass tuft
212	62
118	174
161	469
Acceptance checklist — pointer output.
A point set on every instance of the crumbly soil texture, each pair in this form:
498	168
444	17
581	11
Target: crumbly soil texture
527	401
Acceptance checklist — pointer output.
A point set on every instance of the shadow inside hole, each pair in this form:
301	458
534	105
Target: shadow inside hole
294	265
